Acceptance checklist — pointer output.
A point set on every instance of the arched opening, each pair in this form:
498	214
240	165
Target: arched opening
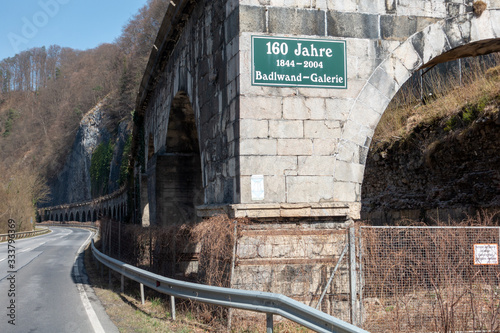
179	187
52	217
94	216
66	217
71	217
77	217
89	217
114	212
423	173
61	217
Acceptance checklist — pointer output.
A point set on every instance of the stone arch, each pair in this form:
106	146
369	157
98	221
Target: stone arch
89	216
71	217
77	216
52	217
66	217
94	216
442	41
179	187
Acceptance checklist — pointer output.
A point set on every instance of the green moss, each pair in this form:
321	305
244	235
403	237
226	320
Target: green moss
125	161
99	169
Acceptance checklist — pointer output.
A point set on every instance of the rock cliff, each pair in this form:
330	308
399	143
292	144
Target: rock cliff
73	183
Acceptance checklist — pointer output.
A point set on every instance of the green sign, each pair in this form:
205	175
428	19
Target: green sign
298	62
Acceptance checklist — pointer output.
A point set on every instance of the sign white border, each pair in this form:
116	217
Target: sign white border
485	254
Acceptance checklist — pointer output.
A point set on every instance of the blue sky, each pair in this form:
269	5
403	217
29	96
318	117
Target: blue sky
79	24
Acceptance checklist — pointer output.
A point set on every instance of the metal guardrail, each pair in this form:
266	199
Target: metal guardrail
269	303
24	234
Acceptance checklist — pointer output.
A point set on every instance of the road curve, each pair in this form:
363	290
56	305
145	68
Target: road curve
46	289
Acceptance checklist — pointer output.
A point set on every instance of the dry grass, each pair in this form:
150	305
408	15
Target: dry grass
406	111
127	312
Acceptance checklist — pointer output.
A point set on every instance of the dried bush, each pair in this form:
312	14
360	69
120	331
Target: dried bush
421	279
479	7
201	253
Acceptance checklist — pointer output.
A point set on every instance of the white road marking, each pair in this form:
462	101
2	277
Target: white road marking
96	324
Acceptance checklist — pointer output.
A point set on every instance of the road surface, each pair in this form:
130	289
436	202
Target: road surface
45	289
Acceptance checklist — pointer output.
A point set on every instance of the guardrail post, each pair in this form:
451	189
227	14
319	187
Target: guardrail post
142	293
172	306
269	323
122	288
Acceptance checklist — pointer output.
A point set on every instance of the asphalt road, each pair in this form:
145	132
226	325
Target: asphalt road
46	289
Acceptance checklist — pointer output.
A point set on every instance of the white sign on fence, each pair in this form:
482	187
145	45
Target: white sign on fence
485	254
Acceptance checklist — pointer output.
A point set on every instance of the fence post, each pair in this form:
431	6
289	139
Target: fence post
269	323
352	276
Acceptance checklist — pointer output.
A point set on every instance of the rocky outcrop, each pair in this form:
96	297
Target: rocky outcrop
436	168
73	183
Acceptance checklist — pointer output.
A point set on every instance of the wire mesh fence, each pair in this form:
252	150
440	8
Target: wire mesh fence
430	279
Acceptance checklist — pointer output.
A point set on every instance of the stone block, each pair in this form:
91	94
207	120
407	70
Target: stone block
373	98
259	107
397	27
481	27
309	188
293	147
303	108
338	108
431	42
346	191
252	19
266	165
342	6
296	21
253	128
258	147
349	152
348	172
352	25
325	146
274	189
315	165
322	129
283	129
407	55
384	81
495	20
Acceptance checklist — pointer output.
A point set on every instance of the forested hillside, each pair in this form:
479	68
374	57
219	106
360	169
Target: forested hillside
45	92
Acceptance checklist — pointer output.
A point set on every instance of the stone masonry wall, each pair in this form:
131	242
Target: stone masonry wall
295	260
202	66
311	144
